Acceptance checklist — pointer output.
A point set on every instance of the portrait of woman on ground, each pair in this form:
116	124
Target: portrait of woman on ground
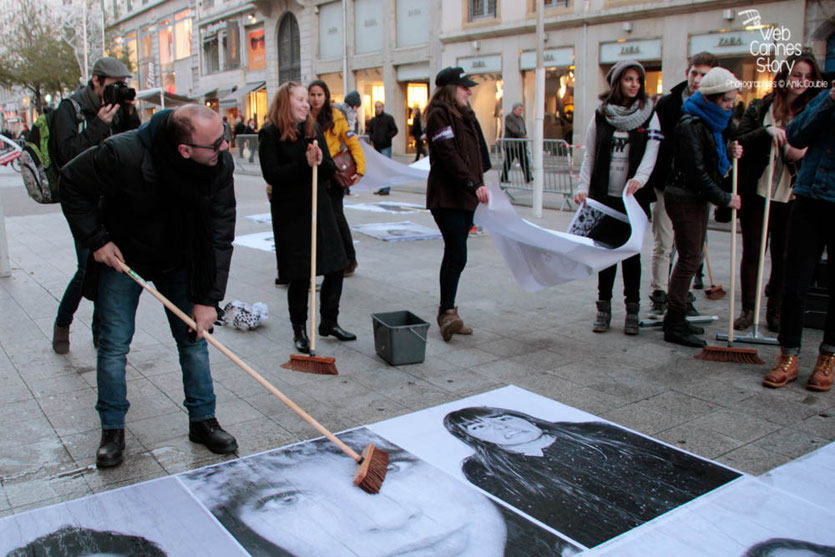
300	500
75	540
589	480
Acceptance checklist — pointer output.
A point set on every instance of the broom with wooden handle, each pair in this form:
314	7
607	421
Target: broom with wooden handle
372	464
729	353
310	362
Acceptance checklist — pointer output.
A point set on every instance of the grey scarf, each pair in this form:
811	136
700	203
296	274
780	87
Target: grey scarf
626	118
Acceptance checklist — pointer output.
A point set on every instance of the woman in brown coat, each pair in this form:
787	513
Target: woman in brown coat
458	159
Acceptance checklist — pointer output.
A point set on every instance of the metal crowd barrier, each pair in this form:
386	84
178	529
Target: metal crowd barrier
513	160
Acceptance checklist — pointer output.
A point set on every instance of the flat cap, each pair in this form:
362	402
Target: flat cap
110	67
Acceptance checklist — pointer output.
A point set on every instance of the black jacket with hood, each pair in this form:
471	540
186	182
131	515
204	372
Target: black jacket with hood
668	110
148	206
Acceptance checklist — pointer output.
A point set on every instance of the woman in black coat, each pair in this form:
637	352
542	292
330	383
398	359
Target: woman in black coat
287	155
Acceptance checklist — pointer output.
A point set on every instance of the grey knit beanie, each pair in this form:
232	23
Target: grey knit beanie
718	80
613	75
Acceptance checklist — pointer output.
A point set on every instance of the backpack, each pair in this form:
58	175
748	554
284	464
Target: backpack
37	164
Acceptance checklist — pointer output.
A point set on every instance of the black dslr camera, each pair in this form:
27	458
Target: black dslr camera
118	93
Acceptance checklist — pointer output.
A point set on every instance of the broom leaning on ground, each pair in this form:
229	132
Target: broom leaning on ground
311	363
729	353
372	465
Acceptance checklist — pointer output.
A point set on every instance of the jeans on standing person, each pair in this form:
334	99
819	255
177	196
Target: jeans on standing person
810	230
751	221
689	220
118	297
387	152
73	294
455	225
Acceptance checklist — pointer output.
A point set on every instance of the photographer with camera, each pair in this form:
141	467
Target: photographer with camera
105	106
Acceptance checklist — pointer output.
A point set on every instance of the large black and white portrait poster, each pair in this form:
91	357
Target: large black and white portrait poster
153	519
745	519
300	500
586	478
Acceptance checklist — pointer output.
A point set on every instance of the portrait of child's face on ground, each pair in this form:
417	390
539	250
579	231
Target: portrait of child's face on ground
301	501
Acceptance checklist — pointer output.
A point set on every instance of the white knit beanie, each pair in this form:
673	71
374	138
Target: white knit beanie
718	80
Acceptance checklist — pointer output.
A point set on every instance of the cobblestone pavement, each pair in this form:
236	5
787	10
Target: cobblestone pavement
541	342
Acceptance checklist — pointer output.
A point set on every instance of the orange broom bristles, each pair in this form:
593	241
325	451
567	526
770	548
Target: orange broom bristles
372	469
729	354
311	364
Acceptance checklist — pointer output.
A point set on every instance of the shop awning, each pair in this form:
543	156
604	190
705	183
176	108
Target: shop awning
210	93
234	99
162	97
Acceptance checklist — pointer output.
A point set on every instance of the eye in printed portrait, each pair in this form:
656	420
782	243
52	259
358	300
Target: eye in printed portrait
301	501
589	480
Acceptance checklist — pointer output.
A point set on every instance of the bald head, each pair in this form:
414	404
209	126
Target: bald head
198	133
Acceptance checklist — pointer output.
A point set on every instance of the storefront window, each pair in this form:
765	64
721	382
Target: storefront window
166	42
334	83
412	22
169	82
417	95
211	56
330	30
368	16
182	33
371	89
147	43
257	106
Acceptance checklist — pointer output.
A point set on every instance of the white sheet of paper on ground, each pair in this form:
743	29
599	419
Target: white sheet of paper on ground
811	477
381	171
259	240
387	207
398	231
539	257
729	522
262	218
160	511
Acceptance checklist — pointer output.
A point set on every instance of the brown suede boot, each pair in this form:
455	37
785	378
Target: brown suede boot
783	372
60	339
464	329
821	379
450	323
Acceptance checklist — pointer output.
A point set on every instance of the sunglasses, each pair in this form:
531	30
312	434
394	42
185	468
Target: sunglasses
214	146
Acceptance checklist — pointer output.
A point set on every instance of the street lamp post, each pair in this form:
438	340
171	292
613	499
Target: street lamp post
539	112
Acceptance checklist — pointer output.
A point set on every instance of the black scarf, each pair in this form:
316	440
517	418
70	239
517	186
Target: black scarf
189	186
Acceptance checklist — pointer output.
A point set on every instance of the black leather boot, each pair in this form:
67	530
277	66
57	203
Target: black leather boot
677	330
334	330
209	433
111	449
300	338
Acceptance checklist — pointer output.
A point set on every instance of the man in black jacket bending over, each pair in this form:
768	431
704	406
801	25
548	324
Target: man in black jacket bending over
168	211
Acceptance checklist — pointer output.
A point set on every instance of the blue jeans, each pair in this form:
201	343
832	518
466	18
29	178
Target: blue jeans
387	152
118	296
72	295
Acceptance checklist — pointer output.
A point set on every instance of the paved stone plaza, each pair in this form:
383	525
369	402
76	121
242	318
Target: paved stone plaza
542	342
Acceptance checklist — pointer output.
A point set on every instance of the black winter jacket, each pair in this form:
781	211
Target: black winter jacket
285	168
70	137
668	109
695	172
381	129
458	159
137	212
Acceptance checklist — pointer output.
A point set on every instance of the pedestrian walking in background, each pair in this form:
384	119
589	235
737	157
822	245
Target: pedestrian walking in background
162	200
622	143
458	159
381	129
514	128
668	110
287	154
72	135
339	136
810	230
762	126
701	161
227	130
417	133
